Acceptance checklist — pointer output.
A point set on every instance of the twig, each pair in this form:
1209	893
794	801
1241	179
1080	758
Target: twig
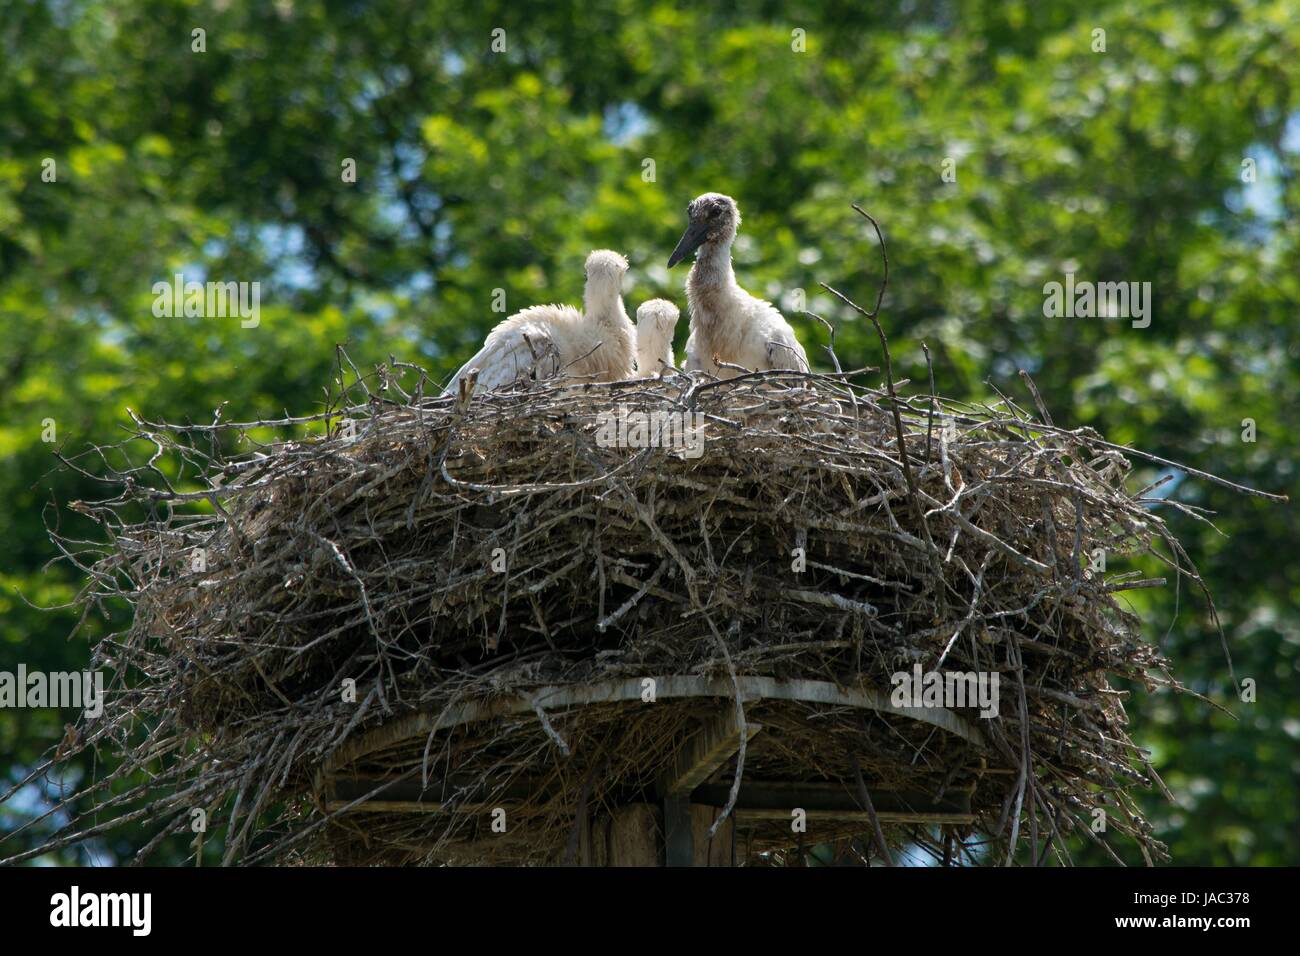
877	832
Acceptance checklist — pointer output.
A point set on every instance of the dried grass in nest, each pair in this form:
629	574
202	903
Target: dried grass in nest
372	558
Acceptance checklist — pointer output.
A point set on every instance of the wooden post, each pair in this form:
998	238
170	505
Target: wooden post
632	837
679	838
628	838
727	848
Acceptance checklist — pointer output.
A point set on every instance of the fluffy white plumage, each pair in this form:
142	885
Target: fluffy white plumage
727	323
656	320
596	344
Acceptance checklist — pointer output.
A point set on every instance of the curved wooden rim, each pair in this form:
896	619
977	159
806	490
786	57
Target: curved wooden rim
670	687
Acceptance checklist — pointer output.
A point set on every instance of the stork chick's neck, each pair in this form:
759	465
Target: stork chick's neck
711	287
606	305
712	267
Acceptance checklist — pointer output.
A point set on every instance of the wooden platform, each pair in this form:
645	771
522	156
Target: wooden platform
668	826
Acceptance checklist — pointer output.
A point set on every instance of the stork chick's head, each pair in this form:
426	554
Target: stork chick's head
712	217
655	322
605	270
657	318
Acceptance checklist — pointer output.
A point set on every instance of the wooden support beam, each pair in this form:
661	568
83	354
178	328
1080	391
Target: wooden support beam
854	816
704	752
554	698
775	799
769	800
408	796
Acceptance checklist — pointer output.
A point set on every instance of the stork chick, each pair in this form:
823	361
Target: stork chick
597	344
727	323
656	320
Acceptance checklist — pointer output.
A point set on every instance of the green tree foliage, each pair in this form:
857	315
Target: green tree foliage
488	160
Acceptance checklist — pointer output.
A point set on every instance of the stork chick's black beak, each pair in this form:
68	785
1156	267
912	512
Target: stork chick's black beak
691	240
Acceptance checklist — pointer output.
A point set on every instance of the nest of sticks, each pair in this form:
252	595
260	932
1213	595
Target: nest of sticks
470	598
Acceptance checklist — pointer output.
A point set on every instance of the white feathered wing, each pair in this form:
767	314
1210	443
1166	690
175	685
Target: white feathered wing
523	346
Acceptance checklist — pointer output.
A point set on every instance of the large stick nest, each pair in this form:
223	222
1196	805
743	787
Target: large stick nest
268	569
